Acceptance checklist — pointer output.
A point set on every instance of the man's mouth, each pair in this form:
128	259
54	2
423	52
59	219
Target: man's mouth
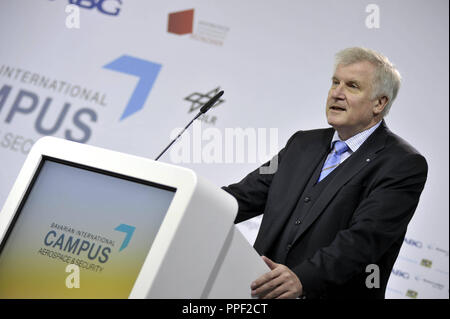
337	108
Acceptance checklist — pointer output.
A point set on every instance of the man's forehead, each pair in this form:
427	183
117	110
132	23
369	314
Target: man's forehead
356	71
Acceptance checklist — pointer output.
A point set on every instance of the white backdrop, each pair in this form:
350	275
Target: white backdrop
273	59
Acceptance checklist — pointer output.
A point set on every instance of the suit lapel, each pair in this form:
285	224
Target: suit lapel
357	161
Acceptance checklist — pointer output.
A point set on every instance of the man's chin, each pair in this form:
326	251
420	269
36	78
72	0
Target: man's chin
334	122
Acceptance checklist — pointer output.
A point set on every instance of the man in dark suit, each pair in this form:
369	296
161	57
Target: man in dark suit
341	198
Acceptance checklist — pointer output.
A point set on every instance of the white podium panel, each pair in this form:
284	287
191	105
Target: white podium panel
237	266
136	228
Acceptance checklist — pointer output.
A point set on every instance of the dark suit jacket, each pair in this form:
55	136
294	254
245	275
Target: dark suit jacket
360	218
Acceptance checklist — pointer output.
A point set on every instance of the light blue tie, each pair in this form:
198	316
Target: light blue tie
333	161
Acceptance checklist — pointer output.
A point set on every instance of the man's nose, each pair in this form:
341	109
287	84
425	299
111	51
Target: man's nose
337	92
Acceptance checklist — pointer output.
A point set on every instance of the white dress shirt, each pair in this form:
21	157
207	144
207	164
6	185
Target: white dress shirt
353	142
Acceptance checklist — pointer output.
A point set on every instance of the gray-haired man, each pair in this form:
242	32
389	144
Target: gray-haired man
341	198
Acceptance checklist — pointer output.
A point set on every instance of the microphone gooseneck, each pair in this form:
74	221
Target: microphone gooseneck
205	108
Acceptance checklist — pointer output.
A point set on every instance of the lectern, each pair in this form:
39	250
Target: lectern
86	222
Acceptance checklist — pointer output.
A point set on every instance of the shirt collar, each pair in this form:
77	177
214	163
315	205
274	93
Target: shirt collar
357	140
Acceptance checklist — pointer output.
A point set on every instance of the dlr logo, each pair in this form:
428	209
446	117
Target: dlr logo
27	102
109	7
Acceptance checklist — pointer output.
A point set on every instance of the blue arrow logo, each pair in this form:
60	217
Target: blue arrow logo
146	71
128	230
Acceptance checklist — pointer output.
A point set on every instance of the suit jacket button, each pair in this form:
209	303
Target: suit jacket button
298	222
288	247
306	199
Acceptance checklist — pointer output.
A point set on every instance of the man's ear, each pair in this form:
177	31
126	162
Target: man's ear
380	104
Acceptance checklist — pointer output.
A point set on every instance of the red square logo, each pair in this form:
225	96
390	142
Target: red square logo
181	22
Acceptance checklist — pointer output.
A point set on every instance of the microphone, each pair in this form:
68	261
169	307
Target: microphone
205	108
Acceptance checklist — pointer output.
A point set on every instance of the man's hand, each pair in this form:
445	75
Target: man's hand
280	282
